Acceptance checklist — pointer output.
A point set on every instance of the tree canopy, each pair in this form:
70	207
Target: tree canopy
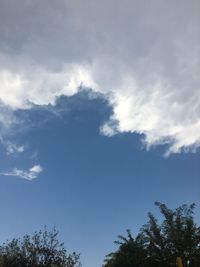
130	253
159	244
42	249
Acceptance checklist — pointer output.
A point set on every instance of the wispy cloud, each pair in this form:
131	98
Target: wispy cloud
11	147
30	174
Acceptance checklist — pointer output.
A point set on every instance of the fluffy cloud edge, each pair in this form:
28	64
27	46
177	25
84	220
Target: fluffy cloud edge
135	110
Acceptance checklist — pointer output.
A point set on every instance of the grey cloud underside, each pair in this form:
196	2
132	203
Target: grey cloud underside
142	55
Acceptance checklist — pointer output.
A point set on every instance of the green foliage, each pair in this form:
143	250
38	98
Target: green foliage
176	236
159	244
42	249
129	254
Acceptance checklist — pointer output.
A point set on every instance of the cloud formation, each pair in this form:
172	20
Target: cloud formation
11	147
30	174
143	56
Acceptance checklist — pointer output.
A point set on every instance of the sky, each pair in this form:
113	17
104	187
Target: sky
99	117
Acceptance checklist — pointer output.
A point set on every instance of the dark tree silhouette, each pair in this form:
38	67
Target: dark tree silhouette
177	236
42	249
159	245
130	253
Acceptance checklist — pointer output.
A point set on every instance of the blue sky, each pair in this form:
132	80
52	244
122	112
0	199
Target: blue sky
92	187
99	116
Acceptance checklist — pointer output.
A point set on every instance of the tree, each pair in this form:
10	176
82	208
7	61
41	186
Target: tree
176	236
42	249
129	254
159	244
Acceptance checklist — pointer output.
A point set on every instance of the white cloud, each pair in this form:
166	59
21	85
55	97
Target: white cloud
41	86
12	148
142	55
30	174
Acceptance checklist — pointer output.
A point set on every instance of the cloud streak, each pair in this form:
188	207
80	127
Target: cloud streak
30	174
143	56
